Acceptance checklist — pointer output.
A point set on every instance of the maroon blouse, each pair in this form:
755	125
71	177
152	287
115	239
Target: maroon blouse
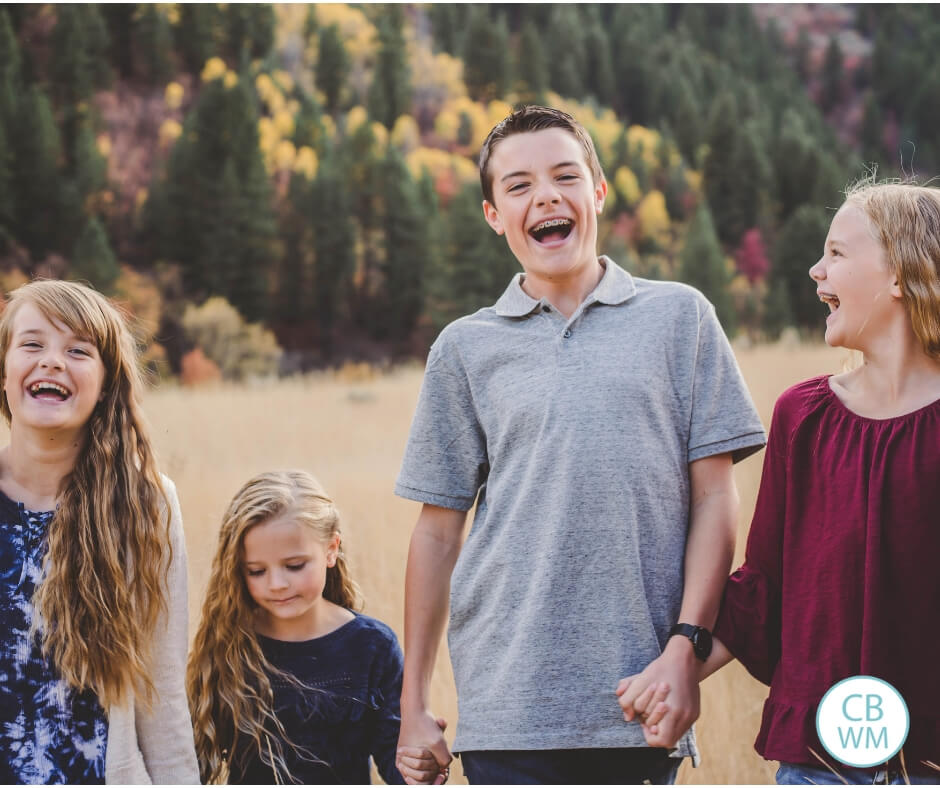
842	572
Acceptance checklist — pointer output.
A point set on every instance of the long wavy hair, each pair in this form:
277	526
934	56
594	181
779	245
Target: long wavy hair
230	695
103	582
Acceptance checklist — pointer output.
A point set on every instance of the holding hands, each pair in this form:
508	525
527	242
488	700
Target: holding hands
664	698
423	754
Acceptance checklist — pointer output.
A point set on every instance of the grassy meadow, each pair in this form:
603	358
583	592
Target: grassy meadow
350	430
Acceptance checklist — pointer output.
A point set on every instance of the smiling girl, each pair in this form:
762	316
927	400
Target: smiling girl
840	577
286	682
92	558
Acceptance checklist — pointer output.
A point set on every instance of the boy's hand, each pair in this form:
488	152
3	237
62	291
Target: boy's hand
674	675
645	702
423	755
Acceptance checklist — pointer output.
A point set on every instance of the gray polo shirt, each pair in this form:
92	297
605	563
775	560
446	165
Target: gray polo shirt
574	437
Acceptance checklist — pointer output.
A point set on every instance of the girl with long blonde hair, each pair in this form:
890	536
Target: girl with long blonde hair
287	683
840	577
93	560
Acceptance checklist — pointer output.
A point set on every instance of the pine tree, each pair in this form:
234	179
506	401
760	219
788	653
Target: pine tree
476	264
308	125
687	113
801	55
600	75
37	149
334	242
9	98
294	283
215	174
250	30
250	287
197	34
406	251
445	24
796	163
79	53
390	92
798	246
531	66
362	169
565	41
332	67
222	235
154	38
6	194
311	24
486	55
119	18
833	76
872	130
635	30
702	265
10	74
92	259
89	172
730	191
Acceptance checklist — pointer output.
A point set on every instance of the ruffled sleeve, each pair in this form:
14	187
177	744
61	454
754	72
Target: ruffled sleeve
749	622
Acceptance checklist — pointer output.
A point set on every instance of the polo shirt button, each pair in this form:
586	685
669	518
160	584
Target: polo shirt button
546	308
567	333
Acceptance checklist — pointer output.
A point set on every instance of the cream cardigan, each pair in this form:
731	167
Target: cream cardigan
156	745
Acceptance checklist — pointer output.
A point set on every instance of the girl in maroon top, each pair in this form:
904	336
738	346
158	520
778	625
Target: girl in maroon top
842	571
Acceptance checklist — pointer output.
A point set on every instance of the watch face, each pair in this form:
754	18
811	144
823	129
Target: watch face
702	643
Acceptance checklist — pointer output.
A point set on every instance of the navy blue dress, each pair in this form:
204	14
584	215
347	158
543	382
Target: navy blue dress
351	712
48	732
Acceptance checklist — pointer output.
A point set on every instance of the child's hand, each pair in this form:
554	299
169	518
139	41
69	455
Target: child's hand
427	763
419	765
643	700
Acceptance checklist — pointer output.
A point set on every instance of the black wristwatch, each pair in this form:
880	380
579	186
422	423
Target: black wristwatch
701	639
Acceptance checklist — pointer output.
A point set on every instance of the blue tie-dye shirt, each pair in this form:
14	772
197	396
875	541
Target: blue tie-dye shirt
48	732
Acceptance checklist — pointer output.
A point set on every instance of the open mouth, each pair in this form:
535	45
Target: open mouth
830	300
45	389
552	230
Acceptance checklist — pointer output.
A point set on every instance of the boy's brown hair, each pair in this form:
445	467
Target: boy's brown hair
535	118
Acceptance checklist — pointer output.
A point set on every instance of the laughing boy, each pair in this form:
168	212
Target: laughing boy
593	417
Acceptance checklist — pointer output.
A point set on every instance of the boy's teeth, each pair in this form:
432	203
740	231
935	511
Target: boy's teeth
550	223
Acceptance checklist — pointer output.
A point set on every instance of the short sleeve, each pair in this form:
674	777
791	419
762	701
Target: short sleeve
445	460
750	623
723	416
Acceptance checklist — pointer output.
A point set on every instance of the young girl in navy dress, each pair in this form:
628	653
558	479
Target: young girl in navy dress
92	559
286	682
841	574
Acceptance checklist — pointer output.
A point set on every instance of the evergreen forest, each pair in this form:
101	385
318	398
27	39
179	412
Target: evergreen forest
271	189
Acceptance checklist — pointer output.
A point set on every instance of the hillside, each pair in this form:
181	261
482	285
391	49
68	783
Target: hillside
313	167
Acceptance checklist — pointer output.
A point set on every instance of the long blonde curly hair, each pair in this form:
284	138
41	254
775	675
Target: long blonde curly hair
103	585
230	695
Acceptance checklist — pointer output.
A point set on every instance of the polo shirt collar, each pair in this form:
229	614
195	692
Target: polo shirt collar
615	287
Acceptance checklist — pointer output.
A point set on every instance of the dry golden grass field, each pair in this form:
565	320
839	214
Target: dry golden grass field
350	430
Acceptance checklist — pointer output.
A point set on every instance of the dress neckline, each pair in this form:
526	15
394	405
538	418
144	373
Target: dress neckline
912	414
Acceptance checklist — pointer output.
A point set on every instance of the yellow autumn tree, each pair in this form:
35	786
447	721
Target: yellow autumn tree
653	217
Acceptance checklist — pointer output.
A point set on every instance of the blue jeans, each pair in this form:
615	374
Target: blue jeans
800	774
599	766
